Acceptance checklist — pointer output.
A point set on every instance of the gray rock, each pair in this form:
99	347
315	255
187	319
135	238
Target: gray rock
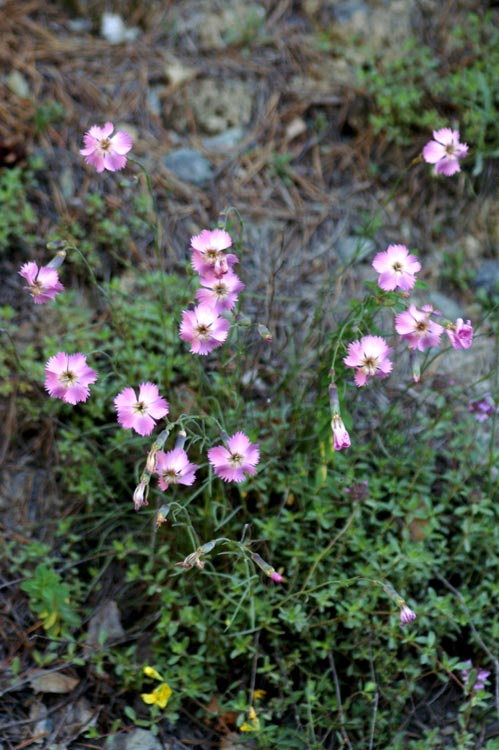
346	10
139	739
352	248
189	165
487	276
444	304
223	141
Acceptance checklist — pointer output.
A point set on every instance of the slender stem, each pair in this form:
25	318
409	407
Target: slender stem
375	697
327	549
343	731
157	240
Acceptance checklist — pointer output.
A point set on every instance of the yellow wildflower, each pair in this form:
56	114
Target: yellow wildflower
152	673
253	724
158	697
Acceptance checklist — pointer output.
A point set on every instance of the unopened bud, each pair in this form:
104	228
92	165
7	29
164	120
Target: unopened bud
333	398
151	460
162	515
264	333
340	435
180	440
57	260
141	493
415	365
267	568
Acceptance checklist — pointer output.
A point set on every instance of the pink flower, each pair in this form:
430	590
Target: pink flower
369	356
277	577
141	492
103	151
174	467
43	283
416	327
67	376
460	334
445	151
480	678
406	615
140	413
340	434
208	252
396	268
482	408
204	329
240	456
220	292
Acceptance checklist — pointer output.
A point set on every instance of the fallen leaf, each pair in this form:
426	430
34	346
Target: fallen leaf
105	626
45	681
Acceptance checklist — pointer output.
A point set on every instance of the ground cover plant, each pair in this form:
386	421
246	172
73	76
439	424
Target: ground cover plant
260	515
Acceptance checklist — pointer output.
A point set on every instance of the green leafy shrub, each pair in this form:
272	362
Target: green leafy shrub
17	214
418	89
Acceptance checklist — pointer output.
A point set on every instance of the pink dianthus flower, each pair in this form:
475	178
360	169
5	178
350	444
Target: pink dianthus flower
482	408
397	268
406	615
240	456
369	356
340	434
203	329
208	252
460	334
67	376
43	283
220	292
140	414
174	467
445	151
480	678
416	327
104	151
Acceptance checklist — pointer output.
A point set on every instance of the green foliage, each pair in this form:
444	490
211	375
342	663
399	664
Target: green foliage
50	598
48	113
16	215
418	89
401	515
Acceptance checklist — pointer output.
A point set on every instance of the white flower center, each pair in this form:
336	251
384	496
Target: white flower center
140	407
370	365
67	379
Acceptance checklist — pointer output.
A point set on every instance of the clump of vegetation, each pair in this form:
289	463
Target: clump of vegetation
421	87
338	595
17	215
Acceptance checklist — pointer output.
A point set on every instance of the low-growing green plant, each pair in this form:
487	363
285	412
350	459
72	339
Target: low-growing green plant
279	600
50	598
416	89
17	215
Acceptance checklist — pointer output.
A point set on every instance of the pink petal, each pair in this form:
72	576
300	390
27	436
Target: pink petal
433	152
122	142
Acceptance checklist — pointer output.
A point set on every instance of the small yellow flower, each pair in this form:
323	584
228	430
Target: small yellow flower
159	696
253	724
259	694
152	673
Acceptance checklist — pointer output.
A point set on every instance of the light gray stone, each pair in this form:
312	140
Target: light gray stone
224	141
138	739
352	248
189	165
487	276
